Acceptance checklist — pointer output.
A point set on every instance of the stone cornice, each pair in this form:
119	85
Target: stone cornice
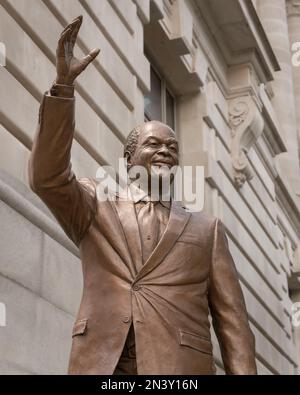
250	44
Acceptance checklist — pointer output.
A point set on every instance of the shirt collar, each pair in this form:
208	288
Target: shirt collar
138	195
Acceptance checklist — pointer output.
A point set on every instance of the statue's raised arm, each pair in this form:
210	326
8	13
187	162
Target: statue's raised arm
50	174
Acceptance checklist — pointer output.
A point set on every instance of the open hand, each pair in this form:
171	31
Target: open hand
67	66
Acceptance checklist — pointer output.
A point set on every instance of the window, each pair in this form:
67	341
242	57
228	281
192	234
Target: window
160	103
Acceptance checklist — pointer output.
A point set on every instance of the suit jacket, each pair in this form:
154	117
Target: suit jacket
190	272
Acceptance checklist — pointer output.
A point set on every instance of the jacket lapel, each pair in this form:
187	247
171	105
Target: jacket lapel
127	216
177	222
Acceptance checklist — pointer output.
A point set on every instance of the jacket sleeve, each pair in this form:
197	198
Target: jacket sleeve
228	310
50	175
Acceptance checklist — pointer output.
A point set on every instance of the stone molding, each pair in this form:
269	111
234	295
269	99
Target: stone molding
247	126
11	196
143	10
272	132
294	279
251	44
293	7
171	43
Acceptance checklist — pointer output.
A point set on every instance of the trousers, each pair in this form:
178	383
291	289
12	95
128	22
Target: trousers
127	362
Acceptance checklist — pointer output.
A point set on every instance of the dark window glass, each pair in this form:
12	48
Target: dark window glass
153	101
159	103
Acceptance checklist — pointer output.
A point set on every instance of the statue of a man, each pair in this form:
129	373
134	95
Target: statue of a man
152	270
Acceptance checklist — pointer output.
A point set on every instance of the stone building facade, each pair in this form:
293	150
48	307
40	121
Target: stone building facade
221	73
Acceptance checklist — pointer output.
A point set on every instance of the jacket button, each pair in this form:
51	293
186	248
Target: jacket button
126	319
136	287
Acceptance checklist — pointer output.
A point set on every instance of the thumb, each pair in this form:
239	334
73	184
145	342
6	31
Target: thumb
89	58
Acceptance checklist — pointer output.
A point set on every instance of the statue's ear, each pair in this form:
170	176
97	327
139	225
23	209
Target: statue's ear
127	157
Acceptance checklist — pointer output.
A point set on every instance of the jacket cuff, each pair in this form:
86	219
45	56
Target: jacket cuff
59	90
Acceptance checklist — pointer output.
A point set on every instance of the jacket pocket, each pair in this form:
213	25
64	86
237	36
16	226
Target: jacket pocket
80	327
196	342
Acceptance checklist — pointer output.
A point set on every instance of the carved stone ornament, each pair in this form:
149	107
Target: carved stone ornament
247	125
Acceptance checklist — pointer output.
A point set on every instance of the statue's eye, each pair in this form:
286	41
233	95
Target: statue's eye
173	147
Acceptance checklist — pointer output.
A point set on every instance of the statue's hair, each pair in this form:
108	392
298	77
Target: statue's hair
132	140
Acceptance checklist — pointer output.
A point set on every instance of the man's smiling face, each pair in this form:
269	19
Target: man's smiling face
156	147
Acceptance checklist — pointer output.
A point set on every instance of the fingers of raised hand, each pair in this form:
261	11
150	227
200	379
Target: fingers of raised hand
65	36
73	23
70	33
89	58
75	30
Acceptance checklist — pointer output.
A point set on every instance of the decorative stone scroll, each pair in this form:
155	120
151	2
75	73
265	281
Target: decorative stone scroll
247	125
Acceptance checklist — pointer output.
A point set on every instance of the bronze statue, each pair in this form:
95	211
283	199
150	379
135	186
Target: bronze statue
152	270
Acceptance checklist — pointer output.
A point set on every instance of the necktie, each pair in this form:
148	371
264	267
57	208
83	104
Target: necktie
149	228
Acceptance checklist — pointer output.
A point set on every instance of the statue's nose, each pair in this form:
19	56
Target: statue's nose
163	150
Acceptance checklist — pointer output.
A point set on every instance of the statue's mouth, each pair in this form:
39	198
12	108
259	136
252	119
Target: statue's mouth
162	163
